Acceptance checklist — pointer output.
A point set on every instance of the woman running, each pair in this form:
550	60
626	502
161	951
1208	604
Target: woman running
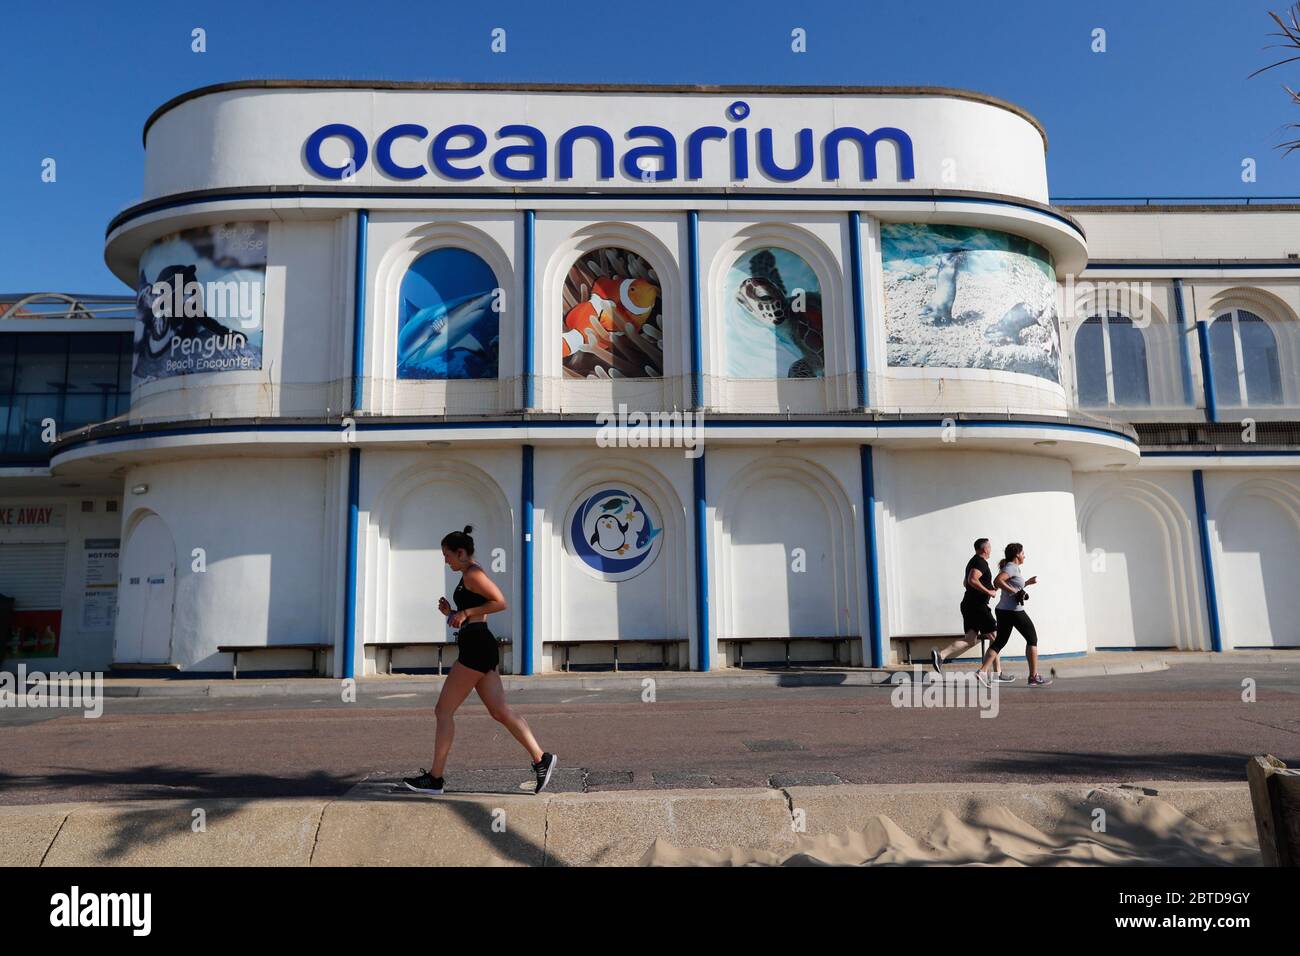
476	667
1011	615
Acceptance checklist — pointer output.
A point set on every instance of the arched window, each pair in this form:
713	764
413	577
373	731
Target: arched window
773	305
1243	356
613	324
449	320
1110	362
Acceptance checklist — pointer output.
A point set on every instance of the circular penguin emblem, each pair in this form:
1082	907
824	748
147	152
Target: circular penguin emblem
615	534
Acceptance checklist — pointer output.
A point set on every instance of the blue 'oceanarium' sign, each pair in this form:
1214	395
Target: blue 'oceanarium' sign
528	158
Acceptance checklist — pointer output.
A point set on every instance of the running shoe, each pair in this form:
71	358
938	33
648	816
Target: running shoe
1038	680
544	768
424	783
936	660
982	678
1002	678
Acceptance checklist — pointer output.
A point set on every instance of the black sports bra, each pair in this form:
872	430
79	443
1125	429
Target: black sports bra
465	598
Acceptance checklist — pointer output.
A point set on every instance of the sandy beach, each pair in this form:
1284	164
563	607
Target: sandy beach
1147	832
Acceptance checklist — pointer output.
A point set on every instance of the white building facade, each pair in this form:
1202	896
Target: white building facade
713	373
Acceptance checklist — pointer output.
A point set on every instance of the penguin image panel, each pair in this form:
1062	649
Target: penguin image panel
938	311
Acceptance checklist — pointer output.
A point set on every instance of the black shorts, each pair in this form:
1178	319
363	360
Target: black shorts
976	616
1018	620
478	648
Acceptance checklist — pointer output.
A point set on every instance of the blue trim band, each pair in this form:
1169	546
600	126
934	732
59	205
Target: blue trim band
359	307
859	305
697	332
350	579
1184	266
367	426
1207	373
525	663
530	269
1207	561
703	655
653	195
1226	453
873	576
1185	346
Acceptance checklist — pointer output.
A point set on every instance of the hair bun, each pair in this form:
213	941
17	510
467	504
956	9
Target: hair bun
469	529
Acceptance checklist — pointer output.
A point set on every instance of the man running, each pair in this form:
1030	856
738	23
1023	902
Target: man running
976	618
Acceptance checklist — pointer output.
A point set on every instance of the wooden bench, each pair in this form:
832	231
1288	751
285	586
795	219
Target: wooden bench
945	639
237	649
391	646
613	642
835	642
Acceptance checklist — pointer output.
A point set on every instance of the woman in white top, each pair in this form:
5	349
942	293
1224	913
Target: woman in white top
1012	583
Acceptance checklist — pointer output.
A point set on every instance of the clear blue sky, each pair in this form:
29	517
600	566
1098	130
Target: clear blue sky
1167	110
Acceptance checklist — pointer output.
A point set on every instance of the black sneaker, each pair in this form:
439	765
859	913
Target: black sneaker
936	660
424	783
544	768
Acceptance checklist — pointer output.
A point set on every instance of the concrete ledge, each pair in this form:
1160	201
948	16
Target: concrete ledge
377	826
162	833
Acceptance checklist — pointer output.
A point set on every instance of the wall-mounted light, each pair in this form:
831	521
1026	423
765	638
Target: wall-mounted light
139	489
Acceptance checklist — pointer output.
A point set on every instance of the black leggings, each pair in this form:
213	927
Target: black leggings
1019	620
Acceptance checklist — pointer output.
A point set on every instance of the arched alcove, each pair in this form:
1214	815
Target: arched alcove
1139	568
656	603
411	515
804	507
1258	524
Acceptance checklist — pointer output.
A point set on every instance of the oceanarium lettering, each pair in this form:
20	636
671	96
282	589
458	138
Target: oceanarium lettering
453	151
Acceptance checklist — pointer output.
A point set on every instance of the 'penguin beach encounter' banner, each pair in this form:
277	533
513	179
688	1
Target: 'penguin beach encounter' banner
199	301
961	297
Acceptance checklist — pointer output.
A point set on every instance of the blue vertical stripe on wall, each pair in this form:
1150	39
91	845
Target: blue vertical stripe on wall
703	655
350	575
697	334
530	269
859	304
354	454
1207	561
1207	373
1185	343
359	307
873	576
524	655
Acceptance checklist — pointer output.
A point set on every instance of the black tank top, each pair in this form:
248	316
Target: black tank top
466	599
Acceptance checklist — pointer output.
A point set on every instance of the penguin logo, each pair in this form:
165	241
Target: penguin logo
614	533
610	535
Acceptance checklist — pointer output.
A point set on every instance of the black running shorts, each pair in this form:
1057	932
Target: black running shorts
478	648
976	616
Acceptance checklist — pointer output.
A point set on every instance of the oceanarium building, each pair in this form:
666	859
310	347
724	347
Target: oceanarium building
718	375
